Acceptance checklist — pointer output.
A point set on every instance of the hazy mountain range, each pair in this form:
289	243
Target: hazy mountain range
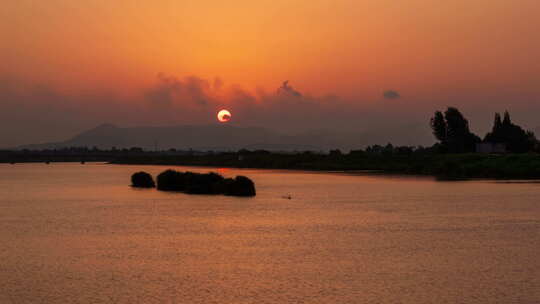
227	137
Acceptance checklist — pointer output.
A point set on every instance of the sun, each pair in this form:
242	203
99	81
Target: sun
224	116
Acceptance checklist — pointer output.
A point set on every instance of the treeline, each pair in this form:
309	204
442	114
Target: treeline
452	131
384	159
78	154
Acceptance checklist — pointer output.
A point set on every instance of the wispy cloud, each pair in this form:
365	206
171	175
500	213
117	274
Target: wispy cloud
391	94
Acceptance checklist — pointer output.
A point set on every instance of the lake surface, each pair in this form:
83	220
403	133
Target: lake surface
73	233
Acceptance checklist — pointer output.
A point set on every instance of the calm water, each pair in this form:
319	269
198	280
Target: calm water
74	233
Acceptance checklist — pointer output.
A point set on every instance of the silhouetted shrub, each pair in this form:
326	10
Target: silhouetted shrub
170	180
203	183
240	186
208	183
142	180
222	186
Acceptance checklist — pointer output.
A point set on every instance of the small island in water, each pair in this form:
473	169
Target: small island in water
196	183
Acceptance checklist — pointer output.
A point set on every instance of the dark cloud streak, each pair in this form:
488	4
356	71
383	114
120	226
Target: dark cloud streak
391	94
288	90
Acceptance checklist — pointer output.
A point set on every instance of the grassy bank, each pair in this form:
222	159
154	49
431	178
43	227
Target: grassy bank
445	166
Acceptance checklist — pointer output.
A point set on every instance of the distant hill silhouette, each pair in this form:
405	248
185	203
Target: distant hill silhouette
225	137
208	137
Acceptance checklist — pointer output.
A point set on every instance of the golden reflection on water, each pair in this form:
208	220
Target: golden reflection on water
75	233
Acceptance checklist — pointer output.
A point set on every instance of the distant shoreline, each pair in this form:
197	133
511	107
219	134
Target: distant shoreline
441	166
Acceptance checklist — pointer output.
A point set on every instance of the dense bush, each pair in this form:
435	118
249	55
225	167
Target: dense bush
207	183
240	186
142	180
170	180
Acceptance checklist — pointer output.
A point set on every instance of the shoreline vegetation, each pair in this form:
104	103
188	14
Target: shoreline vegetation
441	166
388	159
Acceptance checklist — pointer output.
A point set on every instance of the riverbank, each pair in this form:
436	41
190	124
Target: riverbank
444	166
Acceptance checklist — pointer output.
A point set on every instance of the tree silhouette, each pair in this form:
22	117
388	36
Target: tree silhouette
497	124
506	121
452	130
438	124
516	139
456	124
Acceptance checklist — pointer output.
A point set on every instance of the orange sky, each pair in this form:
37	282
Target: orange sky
479	55
354	47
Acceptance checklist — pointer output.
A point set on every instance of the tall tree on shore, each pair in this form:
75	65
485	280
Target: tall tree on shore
497	124
438	125
456	124
452	130
506	121
516	139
